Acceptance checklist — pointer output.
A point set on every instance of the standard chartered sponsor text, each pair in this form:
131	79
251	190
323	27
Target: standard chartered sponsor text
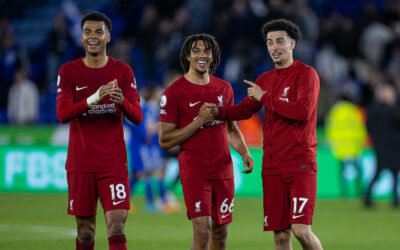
106	108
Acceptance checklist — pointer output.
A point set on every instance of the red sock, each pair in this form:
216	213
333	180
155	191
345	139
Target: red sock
84	246
117	242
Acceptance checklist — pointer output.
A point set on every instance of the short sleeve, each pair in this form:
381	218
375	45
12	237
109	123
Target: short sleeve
169	107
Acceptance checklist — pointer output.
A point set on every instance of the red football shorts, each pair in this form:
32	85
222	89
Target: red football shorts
289	198
213	198
84	188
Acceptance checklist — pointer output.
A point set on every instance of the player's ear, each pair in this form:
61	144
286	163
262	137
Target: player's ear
108	37
292	44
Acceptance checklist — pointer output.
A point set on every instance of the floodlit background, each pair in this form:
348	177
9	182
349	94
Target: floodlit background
353	45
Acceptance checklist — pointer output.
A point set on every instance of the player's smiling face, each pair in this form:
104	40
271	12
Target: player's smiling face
200	57
95	36
280	47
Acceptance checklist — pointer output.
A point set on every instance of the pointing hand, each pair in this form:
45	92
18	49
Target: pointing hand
254	92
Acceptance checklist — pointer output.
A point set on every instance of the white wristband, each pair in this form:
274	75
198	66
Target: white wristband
93	99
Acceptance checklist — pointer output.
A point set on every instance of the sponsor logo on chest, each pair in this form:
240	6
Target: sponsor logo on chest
101	109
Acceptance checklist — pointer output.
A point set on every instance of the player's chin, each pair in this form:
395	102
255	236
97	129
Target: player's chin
276	60
201	71
93	50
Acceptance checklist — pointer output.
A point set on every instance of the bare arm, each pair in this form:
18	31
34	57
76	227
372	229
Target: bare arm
237	142
169	135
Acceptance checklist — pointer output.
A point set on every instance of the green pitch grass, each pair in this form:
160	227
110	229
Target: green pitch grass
40	222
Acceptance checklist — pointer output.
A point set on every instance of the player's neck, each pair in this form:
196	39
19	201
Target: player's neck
285	64
197	78
98	61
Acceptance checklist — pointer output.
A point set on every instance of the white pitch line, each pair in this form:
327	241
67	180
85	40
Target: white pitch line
12	232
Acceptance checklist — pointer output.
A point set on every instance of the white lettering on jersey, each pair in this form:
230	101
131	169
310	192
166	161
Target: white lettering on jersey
100	109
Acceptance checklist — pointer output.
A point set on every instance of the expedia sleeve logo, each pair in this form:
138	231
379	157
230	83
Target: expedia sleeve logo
99	109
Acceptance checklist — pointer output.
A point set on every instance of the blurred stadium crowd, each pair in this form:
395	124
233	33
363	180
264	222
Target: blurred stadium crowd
354	45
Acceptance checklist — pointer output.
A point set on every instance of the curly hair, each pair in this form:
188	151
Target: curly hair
290	27
97	16
209	42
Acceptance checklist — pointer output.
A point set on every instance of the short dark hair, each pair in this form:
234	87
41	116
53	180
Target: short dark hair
97	16
209	42
282	24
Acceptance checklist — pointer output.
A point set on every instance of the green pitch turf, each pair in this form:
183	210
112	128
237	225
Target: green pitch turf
40	222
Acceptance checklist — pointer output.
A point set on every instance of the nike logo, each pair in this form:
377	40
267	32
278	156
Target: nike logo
224	215
297	216
193	104
77	88
117	202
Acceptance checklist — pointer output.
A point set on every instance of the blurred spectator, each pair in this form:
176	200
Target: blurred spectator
197	11
147	158
61	47
11	57
147	29
121	50
137	140
347	136
383	123
23	100
308	22
338	38
325	100
373	40
331	66
252	131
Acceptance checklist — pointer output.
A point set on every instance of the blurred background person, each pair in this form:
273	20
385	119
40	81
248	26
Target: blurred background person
61	48
347	136
23	99
12	57
137	139
147	158
383	123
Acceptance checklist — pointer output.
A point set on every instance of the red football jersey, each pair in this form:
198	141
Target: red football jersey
96	137
290	105
205	155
